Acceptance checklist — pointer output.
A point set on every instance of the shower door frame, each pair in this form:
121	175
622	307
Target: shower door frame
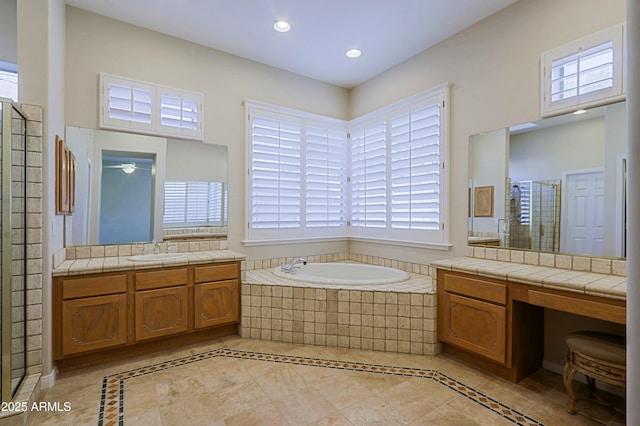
6	388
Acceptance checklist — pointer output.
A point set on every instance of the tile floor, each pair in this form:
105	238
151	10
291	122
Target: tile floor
238	381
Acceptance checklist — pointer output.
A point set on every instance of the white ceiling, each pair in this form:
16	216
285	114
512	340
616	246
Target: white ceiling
387	31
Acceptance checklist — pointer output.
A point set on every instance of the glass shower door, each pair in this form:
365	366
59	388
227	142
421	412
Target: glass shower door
13	313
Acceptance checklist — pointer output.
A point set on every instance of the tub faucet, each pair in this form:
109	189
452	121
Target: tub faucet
291	268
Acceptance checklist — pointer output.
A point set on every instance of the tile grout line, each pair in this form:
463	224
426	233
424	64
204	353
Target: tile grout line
112	395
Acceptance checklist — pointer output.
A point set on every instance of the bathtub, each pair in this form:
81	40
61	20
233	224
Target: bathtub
348	274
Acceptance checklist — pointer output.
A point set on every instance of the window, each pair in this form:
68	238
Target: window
302	168
297	174
8	81
397	170
584	73
149	108
194	204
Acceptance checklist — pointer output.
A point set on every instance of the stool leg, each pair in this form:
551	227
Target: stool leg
591	384
567	377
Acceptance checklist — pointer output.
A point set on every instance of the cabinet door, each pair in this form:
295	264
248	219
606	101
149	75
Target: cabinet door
477	326
161	312
216	303
93	323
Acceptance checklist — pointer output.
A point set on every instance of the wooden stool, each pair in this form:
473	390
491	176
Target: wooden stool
599	356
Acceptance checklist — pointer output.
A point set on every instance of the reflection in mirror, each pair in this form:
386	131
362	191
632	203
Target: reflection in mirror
103	160
195	190
560	184
126	204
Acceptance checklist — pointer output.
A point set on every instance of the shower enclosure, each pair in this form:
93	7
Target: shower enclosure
13	313
533	214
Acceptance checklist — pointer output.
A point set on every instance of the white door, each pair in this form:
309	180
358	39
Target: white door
583	213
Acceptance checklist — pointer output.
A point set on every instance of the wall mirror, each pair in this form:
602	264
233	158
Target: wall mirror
559	184
136	188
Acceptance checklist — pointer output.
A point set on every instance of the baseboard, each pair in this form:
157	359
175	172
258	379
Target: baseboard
558	368
49	380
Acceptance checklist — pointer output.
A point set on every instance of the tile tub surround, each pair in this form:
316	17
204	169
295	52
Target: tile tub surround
392	318
415	268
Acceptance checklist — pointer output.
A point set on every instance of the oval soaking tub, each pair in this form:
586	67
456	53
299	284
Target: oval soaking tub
336	273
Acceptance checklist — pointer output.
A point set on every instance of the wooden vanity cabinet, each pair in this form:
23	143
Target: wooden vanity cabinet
216	295
92	313
118	314
161	303
476	322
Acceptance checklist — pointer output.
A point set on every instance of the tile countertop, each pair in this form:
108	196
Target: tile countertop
109	264
591	283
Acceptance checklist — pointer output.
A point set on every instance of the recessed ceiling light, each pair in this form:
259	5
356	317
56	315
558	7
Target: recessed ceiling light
353	53
281	26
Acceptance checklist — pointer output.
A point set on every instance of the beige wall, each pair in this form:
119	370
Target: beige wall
8	31
493	70
97	44
41	52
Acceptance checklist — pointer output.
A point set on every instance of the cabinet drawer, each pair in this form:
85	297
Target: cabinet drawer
74	288
216	273
476	287
161	279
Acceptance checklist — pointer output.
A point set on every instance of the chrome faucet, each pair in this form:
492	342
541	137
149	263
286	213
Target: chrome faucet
156	247
291	268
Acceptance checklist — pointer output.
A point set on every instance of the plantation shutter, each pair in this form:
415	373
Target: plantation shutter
276	171
216	203
326	151
582	73
197	202
150	108
180	112
193	203
415	168
368	176
175	202
127	102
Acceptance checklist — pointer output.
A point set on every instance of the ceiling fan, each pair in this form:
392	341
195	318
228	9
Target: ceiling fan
127	167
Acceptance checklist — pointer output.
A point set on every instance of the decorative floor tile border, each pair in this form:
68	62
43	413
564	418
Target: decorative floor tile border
112	400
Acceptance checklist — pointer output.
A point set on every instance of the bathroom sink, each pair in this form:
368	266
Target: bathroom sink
158	256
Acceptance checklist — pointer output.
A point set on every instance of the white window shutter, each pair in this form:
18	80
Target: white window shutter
181	112
415	168
584	73
326	157
126	104
194	204
150	108
369	176
276	172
